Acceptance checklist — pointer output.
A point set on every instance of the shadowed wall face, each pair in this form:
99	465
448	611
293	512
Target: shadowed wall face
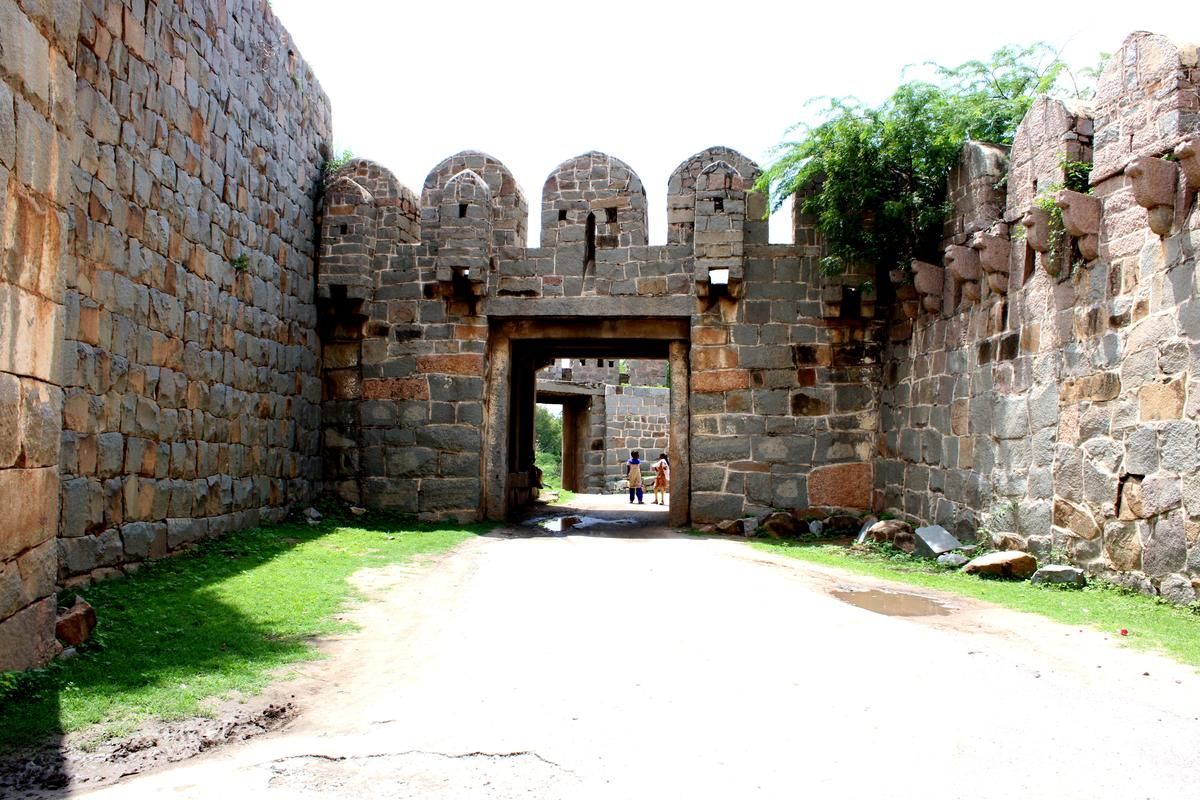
158	351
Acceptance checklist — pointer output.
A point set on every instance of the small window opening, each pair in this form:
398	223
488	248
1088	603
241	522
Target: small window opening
719	204
562	215
462	210
718	277
1030	263
344	229
851	306
610	215
589	255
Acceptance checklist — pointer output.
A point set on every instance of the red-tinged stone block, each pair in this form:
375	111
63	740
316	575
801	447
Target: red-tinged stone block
841	486
451	364
721	380
395	389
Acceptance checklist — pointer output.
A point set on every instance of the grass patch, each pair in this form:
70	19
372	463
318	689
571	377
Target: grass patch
222	619
1152	624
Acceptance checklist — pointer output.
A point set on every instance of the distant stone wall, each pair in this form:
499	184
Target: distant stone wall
635	418
1056	411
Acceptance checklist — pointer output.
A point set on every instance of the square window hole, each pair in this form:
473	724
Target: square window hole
562	215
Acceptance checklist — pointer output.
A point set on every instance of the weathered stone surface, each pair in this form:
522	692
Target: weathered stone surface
1059	575
730	527
1004	564
27	637
782	525
1177	589
932	540
74	625
1164	545
952	560
840	486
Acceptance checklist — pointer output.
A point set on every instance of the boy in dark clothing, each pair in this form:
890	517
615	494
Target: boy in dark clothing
633	472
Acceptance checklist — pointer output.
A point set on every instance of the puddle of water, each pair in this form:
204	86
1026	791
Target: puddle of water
893	604
574	522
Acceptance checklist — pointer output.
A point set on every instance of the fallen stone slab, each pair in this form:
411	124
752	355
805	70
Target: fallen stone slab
952	560
75	624
1005	564
933	540
1059	575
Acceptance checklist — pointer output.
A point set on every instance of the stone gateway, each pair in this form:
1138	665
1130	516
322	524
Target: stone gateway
200	329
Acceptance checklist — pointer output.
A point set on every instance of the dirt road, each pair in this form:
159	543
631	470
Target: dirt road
650	664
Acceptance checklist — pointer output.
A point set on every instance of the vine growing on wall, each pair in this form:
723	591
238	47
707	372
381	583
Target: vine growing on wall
1076	177
874	178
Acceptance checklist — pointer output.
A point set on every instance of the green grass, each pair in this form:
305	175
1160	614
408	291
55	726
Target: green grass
221	620
1151	623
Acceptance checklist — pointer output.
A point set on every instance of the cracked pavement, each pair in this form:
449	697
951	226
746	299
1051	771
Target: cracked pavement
653	664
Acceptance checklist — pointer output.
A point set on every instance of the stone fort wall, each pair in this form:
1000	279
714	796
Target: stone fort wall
416	294
189	344
1048	392
159	164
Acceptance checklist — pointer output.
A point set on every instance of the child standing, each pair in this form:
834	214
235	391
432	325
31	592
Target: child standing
662	479
633	472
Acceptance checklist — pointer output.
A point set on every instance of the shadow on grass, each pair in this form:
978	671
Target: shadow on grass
172	634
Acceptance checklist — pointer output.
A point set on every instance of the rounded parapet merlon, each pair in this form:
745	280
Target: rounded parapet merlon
465	218
720	234
593	201
510	211
681	195
1145	101
1081	218
1154	182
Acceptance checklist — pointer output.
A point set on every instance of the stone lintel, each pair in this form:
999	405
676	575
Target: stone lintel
589	307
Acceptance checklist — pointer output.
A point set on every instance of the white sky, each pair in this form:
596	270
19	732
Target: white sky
649	82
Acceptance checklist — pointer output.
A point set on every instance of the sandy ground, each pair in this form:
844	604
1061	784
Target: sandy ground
651	664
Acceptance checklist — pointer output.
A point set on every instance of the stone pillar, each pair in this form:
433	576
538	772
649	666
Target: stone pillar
680	506
495	432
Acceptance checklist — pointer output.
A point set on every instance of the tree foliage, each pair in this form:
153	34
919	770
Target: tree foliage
875	177
547	431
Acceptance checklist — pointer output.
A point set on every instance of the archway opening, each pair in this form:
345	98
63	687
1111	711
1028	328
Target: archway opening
526	366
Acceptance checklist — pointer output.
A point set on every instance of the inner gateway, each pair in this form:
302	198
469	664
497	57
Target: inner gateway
519	349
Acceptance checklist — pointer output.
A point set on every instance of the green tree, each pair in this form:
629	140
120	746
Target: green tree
875	177
547	431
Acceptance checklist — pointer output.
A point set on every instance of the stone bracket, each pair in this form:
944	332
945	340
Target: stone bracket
1154	181
1081	218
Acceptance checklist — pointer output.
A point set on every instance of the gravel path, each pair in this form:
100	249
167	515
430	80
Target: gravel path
650	664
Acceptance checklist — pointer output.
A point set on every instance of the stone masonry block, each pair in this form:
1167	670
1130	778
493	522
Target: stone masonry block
31	497
10	418
24	52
